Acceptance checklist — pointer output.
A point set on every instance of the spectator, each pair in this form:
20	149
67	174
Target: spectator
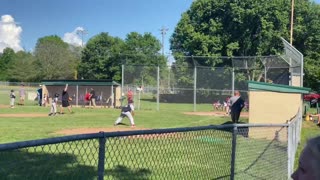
65	100
22	95
12	98
216	105
92	98
130	95
45	100
227	107
87	99
237	104
39	95
309	161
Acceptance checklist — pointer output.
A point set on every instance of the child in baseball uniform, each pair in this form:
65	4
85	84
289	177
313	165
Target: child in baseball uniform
125	112
54	102
12	98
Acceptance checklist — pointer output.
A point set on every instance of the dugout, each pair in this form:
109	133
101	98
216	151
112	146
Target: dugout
108	92
275	103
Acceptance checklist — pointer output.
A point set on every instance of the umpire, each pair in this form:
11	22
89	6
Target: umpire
237	104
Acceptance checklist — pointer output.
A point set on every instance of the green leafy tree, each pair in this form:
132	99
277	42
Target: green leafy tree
249	28
100	58
54	59
307	39
141	55
237	28
5	60
23	67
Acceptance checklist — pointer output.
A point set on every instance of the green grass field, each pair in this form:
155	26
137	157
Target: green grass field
135	158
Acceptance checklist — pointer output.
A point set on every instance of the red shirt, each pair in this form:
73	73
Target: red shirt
87	97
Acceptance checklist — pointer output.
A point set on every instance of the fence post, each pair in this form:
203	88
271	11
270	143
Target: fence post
194	86
102	154
122	79
232	81
158	87
77	95
289	149
233	151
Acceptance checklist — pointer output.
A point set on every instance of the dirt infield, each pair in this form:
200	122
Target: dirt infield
24	115
215	113
4	106
95	130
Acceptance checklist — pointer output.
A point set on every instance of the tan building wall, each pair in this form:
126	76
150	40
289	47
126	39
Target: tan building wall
273	107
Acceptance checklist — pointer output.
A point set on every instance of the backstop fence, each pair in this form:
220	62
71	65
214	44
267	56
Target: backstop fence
189	81
230	151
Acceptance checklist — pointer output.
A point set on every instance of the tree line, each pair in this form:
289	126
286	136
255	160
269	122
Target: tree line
249	28
101	58
208	28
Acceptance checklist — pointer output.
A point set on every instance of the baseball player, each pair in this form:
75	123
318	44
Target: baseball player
125	111
54	102
12	98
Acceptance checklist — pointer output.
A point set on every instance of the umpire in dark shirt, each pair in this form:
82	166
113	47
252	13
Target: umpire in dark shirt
237	104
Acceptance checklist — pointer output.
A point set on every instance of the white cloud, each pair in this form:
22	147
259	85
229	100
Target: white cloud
74	37
10	34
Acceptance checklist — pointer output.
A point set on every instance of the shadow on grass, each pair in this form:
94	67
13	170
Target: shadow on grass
20	164
243	131
122	124
123	172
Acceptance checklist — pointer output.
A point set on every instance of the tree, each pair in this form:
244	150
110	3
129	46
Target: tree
248	28
22	67
141	55
54	59
100	58
307	40
224	28
5	59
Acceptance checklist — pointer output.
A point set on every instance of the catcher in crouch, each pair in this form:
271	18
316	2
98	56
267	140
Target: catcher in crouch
126	111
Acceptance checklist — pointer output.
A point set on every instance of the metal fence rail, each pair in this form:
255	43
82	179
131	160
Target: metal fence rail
232	151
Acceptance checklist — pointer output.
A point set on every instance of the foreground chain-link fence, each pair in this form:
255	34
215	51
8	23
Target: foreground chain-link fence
230	151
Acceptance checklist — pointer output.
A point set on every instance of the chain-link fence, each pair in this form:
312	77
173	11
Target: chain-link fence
193	85
230	151
197	80
294	136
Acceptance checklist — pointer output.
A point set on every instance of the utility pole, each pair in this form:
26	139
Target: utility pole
82	32
163	33
291	24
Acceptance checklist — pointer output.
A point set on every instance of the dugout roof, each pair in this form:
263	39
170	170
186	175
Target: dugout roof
104	82
260	86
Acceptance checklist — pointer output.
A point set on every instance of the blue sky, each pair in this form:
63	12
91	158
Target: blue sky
39	18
